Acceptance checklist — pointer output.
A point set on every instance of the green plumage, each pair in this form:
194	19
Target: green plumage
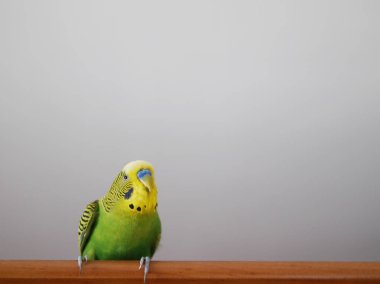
124	224
120	237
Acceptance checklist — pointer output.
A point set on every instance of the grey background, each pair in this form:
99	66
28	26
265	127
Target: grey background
260	117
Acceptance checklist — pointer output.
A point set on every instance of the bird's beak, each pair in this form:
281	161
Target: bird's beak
145	176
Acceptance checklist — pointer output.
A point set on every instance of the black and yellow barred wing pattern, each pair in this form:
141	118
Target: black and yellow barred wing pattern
86	224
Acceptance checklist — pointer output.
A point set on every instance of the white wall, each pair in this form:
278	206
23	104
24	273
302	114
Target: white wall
262	119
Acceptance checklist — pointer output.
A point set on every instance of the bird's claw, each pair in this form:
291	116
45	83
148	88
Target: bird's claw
80	259
142	262
145	261
80	264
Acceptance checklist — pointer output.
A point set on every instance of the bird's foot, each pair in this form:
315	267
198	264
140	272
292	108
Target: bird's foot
145	261
80	259
80	264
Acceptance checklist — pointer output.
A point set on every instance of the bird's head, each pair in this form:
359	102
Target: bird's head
134	189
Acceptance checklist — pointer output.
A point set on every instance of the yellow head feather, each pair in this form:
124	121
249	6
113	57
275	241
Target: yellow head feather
133	191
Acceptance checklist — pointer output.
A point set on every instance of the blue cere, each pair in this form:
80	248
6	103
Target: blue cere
142	173
128	194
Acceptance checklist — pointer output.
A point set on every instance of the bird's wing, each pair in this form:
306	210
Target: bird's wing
86	224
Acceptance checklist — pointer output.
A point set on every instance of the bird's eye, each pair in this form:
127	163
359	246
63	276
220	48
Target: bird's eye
125	177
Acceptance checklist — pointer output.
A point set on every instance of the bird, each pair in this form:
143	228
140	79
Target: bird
124	224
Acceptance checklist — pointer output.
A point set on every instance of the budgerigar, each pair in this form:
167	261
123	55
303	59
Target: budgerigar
124	224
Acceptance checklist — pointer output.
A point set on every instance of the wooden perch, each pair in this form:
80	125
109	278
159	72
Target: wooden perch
127	272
